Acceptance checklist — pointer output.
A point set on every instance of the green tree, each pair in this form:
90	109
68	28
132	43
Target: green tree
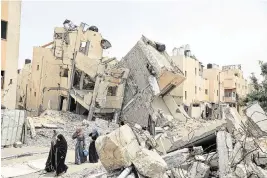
259	92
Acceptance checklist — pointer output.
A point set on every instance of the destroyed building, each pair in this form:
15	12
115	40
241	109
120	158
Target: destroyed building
151	78
70	73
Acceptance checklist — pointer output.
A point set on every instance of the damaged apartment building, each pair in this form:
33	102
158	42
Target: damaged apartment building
70	73
152	77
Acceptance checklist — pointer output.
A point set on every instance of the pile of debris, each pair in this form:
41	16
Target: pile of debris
65	123
224	148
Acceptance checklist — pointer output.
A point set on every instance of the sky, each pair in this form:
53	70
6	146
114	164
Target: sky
225	32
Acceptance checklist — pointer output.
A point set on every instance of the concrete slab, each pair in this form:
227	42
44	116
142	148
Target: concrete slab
258	118
224	149
198	136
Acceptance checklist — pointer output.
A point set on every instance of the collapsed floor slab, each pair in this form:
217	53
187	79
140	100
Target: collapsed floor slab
198	136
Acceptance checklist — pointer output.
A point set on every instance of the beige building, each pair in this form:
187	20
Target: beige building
70	73
213	74
226	84
234	84
211	84
10	35
195	88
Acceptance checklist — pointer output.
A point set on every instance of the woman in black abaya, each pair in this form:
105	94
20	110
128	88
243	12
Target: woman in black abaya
93	156
61	152
50	165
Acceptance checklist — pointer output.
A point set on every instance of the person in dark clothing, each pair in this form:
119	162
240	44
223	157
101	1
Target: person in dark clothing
50	164
61	152
93	156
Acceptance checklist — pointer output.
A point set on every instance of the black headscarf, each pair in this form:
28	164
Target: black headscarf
62	145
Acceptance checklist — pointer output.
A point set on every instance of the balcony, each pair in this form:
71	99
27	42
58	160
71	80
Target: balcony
169	80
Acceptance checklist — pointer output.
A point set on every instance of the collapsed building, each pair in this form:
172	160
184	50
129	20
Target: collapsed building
70	73
152	76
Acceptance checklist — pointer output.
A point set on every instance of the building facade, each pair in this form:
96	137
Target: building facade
195	87
214	76
234	84
10	36
153	75
211	84
70	73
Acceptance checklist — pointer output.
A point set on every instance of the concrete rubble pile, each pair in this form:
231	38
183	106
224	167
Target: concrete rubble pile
160	138
121	150
223	149
64	123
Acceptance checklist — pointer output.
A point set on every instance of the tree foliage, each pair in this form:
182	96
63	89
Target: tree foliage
259	92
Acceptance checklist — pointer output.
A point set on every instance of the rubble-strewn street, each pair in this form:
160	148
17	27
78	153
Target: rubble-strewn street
65	123
205	148
75	111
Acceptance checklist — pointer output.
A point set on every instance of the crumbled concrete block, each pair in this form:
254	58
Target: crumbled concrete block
158	130
212	159
117	149
50	126
85	122
237	153
249	143
176	158
224	149
150	164
179	172
163	143
150	140
166	128
260	158
253	169
138	126
32	128
197	150
200	158
241	171
199	134
17	144
199	170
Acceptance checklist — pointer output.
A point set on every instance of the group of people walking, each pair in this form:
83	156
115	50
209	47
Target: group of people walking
58	151
80	155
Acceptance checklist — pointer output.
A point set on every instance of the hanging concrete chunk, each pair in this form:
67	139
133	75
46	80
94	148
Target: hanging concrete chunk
150	164
176	158
224	149
199	170
117	149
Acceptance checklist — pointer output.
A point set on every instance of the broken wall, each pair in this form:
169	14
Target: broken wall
137	88
45	75
24	78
